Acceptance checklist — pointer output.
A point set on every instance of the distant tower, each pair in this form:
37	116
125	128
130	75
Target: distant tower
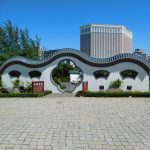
102	41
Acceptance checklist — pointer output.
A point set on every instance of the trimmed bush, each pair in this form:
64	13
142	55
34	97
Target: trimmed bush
116	94
25	94
47	92
79	93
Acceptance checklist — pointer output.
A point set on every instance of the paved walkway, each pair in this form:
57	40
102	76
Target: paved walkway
56	95
75	124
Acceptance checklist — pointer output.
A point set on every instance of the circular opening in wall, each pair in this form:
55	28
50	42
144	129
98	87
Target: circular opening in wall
67	76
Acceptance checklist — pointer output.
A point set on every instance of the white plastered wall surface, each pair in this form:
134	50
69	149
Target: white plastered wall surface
140	83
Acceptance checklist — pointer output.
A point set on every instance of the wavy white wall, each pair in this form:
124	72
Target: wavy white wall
141	83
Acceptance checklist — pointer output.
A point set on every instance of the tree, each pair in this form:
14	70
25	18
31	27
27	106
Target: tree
15	41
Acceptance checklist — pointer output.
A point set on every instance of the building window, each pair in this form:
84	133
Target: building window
14	74
129	87
101	87
101	74
129	74
82	31
35	74
93	29
88	29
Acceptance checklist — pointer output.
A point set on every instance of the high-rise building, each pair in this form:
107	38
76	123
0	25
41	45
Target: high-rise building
142	53
102	41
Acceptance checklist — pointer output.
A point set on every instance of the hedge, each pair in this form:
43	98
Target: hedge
25	94
113	94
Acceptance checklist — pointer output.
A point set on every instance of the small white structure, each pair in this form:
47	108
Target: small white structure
75	77
132	69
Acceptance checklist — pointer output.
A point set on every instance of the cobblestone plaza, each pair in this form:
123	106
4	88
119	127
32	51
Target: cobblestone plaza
75	123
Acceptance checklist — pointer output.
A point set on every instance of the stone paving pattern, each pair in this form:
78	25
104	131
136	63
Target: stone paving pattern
75	124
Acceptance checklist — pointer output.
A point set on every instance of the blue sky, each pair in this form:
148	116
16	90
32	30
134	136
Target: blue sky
58	22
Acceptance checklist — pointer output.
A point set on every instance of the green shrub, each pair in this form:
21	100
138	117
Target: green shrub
116	84
29	87
21	94
25	94
16	83
116	94
58	82
1	84
79	93
65	79
47	92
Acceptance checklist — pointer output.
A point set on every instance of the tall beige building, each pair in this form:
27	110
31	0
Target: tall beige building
103	41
